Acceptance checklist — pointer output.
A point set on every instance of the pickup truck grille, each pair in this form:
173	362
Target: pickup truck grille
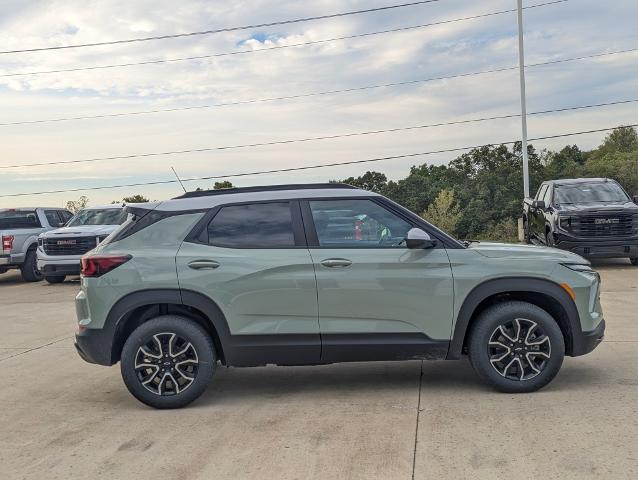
608	225
68	246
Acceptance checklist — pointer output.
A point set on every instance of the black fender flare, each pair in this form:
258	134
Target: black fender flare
114	323
514	285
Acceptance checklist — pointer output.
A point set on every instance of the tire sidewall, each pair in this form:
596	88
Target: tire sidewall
187	329
500	314
29	270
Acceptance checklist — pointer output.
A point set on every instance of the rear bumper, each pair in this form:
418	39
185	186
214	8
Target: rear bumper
11	260
588	341
598	248
94	346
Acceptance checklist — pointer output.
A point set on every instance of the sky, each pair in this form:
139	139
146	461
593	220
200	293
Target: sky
569	29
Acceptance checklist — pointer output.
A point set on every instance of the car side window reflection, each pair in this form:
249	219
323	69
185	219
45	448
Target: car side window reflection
359	223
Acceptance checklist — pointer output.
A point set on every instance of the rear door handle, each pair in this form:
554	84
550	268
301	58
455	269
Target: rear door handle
336	263
203	264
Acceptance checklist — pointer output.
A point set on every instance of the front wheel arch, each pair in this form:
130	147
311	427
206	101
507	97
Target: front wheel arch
545	294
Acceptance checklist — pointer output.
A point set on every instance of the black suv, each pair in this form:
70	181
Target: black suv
594	217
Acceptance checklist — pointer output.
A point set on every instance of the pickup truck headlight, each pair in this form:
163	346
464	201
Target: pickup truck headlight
564	222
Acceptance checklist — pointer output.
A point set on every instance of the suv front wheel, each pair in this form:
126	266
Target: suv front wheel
168	361
517	347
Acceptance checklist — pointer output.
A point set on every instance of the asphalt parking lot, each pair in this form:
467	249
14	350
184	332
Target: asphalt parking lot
64	419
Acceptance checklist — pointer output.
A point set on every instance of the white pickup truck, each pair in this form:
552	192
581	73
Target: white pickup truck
19	231
60	251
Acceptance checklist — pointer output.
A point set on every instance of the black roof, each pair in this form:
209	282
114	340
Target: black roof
266	188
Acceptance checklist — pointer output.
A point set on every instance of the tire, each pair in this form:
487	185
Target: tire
29	268
634	261
55	278
195	350
528	360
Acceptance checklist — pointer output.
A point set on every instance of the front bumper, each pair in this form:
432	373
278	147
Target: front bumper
609	248
588	341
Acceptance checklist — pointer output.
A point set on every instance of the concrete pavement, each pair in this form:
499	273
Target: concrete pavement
65	419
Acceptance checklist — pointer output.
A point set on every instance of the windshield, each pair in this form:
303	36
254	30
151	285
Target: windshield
607	192
12	219
107	216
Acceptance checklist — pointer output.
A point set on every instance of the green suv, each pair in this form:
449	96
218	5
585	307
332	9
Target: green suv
317	274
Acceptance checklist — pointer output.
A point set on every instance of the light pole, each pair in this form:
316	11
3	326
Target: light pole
521	61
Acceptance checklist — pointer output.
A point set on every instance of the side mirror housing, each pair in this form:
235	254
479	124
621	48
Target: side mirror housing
61	224
539	204
636	199
419	239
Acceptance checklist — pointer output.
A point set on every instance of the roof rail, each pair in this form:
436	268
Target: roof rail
267	188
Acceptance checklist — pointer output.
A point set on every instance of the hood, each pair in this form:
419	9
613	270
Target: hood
511	250
83	230
592	208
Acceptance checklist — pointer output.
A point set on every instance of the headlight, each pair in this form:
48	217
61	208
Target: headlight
564	222
40	242
584	269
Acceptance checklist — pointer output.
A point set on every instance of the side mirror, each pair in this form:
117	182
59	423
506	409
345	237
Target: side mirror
61	224
636	199
418	239
539	204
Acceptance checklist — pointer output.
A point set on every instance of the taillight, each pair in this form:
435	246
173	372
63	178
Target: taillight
7	242
98	265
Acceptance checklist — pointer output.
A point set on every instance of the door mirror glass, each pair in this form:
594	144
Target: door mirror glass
539	204
417	239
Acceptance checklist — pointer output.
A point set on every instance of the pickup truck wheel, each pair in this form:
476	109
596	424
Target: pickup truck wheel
168	361
516	347
55	278
29	268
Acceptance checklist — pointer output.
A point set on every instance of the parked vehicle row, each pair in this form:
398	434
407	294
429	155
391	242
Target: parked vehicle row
317	274
49	243
594	217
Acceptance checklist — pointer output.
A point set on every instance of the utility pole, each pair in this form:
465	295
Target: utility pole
521	60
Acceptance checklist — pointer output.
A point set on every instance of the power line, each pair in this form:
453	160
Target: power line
312	167
226	29
278	47
314	94
312	139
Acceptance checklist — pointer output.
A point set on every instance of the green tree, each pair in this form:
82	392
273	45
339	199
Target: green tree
444	212
372	181
223	185
74	206
133	199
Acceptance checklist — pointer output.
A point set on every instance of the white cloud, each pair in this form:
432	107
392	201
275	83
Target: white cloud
569	29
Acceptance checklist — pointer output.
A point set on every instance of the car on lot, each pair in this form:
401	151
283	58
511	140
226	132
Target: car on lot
318	274
59	251
19	231
594	217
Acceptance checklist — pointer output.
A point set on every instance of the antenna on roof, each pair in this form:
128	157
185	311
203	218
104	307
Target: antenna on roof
178	179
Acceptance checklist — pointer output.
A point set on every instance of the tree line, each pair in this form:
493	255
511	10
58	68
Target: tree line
479	194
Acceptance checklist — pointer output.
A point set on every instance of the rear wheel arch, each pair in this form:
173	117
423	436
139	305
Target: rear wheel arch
543	293
139	307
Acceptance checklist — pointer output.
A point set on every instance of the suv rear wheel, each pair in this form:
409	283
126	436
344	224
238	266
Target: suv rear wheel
517	347
168	362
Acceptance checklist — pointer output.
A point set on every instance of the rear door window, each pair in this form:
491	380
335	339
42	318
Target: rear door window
257	225
16	219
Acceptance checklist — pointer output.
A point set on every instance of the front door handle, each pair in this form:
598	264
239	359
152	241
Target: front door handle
336	263
203	264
